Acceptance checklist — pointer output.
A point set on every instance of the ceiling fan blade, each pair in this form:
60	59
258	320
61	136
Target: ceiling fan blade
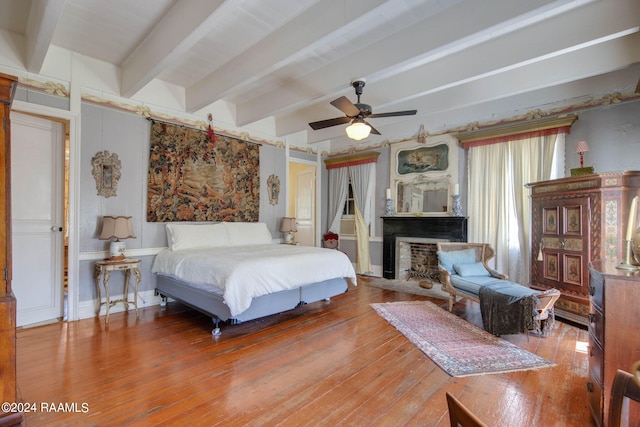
329	122
343	104
393	114
373	130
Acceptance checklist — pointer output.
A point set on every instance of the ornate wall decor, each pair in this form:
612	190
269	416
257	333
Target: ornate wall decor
424	176
273	185
106	171
191	179
423	159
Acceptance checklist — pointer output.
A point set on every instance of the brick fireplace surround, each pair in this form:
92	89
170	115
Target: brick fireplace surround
398	229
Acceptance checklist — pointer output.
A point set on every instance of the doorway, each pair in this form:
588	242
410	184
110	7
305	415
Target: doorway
39	188
302	203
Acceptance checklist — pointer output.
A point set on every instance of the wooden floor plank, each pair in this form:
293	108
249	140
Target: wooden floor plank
326	363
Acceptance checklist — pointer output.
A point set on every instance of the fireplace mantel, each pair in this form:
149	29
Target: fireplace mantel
450	228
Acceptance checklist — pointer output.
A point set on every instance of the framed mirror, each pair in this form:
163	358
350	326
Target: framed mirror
422	195
424	176
106	172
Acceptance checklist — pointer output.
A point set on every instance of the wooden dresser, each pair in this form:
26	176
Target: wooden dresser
573	222
614	333
8	86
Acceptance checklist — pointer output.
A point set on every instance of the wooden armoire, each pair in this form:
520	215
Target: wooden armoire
575	221
8	393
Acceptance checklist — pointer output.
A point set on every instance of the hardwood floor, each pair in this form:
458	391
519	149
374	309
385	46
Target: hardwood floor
323	364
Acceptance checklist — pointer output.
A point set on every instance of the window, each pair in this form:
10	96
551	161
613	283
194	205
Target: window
348	220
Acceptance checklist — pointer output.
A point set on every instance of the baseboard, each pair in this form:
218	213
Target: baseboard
87	309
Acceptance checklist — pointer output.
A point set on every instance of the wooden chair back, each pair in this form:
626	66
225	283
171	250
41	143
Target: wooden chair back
624	386
459	415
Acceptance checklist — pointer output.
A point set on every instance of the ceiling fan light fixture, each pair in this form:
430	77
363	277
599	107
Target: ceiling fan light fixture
358	130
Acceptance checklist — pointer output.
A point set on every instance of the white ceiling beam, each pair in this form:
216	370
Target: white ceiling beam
279	49
41	24
179	30
425	40
551	72
514	49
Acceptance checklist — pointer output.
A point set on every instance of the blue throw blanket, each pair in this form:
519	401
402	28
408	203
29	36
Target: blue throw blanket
508	308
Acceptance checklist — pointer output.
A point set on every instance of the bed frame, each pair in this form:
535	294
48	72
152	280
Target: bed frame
212	304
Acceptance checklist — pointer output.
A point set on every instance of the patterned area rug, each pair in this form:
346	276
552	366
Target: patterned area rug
458	347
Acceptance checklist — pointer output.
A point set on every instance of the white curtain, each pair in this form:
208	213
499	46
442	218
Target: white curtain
362	179
532	161
488	208
499	204
338	189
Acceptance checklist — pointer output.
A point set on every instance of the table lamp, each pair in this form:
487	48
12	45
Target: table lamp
118	228
288	227
582	147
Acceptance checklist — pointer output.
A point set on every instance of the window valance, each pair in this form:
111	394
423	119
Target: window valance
533	128
352	160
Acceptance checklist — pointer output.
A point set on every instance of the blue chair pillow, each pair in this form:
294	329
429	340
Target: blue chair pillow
471	269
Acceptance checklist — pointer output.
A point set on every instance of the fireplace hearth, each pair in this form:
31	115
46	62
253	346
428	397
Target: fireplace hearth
414	232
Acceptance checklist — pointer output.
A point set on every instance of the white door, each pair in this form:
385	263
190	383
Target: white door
306	206
37	211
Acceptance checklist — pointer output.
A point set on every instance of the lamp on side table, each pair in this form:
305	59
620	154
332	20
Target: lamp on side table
118	228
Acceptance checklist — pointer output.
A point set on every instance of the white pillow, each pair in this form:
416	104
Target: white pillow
248	233
190	236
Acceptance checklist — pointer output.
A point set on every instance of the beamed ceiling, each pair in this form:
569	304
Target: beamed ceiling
281	62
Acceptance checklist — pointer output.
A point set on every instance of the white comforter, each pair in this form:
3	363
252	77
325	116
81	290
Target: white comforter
242	273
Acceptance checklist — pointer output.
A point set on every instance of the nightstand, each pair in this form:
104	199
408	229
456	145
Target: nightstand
105	268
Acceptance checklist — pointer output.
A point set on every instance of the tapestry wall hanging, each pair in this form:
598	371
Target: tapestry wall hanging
192	178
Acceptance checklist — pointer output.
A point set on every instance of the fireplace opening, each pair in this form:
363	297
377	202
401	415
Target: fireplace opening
417	259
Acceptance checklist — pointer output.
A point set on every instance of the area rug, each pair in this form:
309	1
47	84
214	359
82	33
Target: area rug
408	286
458	347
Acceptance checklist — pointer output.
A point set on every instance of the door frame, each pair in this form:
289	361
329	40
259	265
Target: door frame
74	194
318	208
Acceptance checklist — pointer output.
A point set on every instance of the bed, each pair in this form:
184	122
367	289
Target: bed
234	272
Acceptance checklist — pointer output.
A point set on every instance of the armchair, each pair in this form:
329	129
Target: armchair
464	273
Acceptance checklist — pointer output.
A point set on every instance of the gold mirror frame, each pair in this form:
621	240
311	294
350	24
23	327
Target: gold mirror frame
106	171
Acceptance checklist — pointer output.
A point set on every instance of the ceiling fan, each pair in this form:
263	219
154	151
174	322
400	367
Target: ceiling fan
356	114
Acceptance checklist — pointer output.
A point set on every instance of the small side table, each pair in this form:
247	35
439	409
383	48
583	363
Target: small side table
105	268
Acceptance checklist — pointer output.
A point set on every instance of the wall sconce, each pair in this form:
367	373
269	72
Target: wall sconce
117	227
288	227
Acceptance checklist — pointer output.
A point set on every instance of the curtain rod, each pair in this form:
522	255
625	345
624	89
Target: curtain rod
152	119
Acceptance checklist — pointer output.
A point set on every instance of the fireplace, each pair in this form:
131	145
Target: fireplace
415	234
416	258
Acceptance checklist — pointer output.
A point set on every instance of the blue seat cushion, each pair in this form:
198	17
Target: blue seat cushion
472	284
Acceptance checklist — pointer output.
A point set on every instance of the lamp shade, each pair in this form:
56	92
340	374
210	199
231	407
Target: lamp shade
288	225
117	227
358	130
582	147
